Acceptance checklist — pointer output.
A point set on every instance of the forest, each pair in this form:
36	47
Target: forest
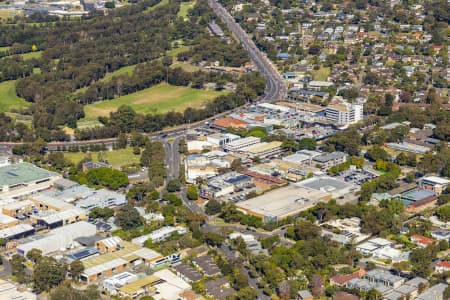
75	55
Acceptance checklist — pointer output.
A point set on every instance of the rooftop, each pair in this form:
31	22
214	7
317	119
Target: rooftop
261	147
22	173
290	200
324	183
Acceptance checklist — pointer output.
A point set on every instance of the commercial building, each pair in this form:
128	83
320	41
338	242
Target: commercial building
56	219
59	238
263	150
113	283
107	264
344	114
43	201
335	187
302	157
434	183
17	232
18	208
159	235
8	291
24	178
329	160
408	147
290	201
222	139
101	198
7	221
237	145
225	184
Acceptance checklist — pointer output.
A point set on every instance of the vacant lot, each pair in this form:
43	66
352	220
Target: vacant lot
8	98
158	99
116	158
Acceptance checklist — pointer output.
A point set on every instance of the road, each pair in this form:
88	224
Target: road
275	87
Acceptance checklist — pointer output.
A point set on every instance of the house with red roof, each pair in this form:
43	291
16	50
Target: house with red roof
442	266
228	122
341	280
421	240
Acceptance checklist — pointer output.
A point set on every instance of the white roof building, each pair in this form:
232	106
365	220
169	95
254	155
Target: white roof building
159	234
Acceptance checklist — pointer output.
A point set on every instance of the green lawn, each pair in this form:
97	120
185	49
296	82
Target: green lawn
8	98
184	8
158	99
174	51
30	55
116	158
9	13
185	66
161	3
127	70
322	74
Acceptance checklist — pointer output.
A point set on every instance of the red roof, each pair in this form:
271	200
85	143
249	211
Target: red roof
420	239
444	264
343	279
229	122
264	177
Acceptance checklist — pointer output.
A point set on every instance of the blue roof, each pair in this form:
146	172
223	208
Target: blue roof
237	179
82	253
283	55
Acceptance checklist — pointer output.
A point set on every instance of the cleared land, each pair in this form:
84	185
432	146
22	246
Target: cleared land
116	158
322	74
158	99
127	70
162	3
8	98
184	8
9	13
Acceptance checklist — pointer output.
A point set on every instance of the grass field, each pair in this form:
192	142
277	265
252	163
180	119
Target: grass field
162	3
185	66
322	74
8	98
184	8
30	55
127	70
116	158
9	13
158	99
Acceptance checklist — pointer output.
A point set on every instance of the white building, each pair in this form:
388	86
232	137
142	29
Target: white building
159	235
113	283
242	143
222	139
101	198
344	114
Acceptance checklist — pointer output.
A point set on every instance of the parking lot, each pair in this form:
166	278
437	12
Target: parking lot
357	177
240	194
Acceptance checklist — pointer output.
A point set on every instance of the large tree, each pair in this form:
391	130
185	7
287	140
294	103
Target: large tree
128	217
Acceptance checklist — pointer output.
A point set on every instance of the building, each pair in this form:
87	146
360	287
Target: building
7	221
380	276
329	160
8	291
382	248
302	157
344	114
434	183
159	235
344	231
187	273
335	187
222	139
436	292
341	280
140	287
228	122
113	283
291	200
17	232
442	267
84	253
340	295
110	263
237	145
108	245
225	184
250	241
441	235
94	165
44	201
408	147
304	295
59	238
263	150
61	218
206	265
101	198
219	288
18	208
24	178
421	240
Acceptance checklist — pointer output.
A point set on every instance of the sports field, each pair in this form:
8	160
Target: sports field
158	99
8	98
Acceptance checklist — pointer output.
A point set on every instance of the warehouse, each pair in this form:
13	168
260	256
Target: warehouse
290	201
24	178
17	232
335	187
59	238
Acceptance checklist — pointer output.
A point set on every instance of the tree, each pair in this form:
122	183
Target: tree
107	177
34	255
192	193
110	5
76	268
213	207
236	165
214	239
173	186
67	292
303	230
48	272
17	268
101	213
307	143
128	218
246	293
2	242
376	152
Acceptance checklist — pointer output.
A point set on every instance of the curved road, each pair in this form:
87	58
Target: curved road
275	87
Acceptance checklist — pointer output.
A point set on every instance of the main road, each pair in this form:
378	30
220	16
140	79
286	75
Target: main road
275	87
